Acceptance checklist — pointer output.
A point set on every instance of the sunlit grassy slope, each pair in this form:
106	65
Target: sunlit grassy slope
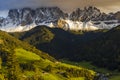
56	71
25	56
79	78
21	61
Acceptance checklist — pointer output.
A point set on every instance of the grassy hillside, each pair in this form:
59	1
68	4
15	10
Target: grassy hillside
9	42
21	55
101	48
36	35
21	61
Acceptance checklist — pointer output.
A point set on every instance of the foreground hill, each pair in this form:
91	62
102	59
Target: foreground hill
21	61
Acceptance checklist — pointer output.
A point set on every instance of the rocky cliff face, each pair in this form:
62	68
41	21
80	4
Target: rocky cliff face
89	18
90	13
26	18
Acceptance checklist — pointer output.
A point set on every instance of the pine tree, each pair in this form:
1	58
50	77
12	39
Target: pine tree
13	67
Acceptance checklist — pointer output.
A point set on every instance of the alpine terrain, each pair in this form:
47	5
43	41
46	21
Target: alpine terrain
47	43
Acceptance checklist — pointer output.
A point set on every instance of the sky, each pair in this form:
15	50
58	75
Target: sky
66	5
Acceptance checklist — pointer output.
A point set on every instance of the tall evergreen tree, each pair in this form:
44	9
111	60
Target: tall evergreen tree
13	67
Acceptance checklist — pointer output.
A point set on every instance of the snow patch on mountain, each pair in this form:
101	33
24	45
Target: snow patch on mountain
68	24
107	24
78	25
18	28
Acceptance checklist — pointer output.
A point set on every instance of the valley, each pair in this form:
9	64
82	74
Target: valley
46	43
72	45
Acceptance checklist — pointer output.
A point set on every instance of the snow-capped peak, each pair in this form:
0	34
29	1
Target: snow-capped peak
89	18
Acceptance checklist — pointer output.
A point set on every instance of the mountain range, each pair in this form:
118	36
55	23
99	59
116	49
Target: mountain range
89	18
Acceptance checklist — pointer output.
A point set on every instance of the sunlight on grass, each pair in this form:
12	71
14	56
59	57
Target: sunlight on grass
87	65
76	67
77	78
24	55
44	63
29	73
52	71
47	76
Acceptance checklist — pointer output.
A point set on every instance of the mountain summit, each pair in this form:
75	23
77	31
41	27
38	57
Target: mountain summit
89	18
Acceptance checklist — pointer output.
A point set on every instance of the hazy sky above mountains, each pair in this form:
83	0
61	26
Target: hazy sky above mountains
66	5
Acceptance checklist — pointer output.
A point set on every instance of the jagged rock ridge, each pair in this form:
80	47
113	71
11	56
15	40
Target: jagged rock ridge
89	18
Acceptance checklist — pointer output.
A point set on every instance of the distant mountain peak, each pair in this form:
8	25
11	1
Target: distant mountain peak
26	18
